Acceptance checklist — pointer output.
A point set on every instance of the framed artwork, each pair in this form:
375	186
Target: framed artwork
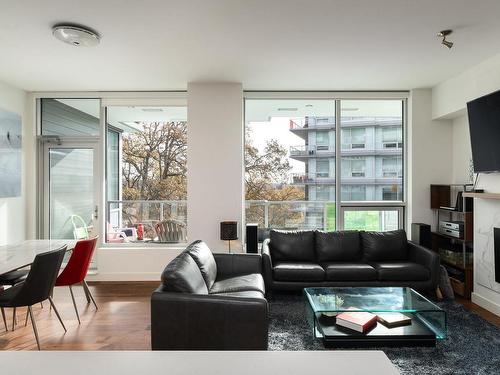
10	154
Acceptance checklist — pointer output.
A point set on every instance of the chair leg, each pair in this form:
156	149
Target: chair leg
74	304
57	313
86	287
13	319
34	327
4	319
86	292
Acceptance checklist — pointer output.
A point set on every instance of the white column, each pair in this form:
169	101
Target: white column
215	161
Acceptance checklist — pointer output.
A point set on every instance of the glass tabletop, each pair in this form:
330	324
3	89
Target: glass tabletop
383	299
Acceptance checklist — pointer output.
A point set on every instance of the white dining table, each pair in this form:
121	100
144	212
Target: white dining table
22	254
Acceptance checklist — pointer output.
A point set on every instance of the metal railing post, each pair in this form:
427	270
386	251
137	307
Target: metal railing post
266	214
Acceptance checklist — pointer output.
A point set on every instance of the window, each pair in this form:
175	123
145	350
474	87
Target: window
70	117
281	186
322	168
290	181
353	138
322	140
146	174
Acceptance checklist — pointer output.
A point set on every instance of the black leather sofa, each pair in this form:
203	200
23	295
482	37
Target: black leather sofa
210	302
293	260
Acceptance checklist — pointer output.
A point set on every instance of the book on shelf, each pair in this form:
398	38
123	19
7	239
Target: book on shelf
360	321
393	319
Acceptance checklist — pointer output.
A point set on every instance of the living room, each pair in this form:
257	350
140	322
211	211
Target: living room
174	190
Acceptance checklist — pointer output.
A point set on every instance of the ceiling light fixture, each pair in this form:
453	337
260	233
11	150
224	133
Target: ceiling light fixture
443	34
288	109
77	36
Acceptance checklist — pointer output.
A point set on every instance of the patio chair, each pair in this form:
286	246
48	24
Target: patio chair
171	231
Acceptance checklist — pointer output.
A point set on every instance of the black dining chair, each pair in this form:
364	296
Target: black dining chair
37	287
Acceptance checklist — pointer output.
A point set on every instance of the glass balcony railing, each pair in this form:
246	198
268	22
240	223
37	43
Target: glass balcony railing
153	221
299	215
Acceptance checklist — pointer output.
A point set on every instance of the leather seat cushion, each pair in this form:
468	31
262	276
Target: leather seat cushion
401	271
205	260
250	282
294	271
245	294
344	246
349	271
183	275
292	246
389	246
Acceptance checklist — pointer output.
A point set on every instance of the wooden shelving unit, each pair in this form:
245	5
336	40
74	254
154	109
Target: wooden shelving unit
459	266
482	195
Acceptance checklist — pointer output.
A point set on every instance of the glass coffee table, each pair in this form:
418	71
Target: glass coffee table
428	321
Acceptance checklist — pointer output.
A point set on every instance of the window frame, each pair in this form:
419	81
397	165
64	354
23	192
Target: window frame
338	97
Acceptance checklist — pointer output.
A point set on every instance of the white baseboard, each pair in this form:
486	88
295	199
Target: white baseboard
486	303
124	276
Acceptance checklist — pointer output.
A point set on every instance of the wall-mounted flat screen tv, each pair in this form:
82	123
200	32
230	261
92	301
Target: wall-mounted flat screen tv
484	125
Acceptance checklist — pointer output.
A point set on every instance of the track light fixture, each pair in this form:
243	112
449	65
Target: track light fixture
443	34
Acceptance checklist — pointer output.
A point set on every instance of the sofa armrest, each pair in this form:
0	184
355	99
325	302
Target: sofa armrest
229	265
183	321
267	264
427	258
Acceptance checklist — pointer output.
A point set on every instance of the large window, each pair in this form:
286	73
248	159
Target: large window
146	174
290	163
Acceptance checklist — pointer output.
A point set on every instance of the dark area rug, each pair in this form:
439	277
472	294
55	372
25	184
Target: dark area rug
472	345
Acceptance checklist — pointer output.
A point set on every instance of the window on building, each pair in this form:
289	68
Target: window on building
392	137
353	138
353	193
391	167
322	140
323	193
354	166
322	168
146	161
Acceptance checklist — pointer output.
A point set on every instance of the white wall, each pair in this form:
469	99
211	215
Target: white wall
12	210
429	155
215	161
449	101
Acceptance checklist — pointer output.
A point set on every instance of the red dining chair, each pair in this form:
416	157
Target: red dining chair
76	270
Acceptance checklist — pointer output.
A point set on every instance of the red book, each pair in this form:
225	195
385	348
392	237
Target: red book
360	321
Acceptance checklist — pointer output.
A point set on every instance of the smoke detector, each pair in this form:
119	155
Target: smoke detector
77	36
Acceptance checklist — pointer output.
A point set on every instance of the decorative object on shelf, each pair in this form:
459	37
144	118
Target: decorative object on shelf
229	231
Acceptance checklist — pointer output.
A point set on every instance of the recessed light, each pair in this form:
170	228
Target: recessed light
76	35
287	109
152	109
349	109
309	106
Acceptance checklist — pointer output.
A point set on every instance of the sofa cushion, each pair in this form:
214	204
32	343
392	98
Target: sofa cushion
344	246
204	258
401	271
253	281
384	246
292	246
292	271
183	275
245	294
349	271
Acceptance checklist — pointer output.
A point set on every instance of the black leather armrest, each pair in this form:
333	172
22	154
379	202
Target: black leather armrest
229	265
427	258
182	321
267	264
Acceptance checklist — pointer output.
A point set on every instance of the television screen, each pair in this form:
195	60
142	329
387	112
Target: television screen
484	125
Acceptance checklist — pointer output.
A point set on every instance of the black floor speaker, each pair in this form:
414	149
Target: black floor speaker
252	239
421	234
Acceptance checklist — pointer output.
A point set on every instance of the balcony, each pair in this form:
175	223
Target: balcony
303	152
292	215
146	221
319	178
301	126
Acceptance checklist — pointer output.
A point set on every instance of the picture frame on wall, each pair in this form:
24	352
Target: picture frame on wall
10	154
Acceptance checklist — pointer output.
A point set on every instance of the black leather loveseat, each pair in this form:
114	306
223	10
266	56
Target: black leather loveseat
297	259
210	302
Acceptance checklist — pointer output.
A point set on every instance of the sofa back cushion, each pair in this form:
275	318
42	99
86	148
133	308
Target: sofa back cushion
292	246
384	246
205	260
183	275
341	246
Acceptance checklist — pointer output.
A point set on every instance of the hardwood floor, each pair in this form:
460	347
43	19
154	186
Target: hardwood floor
121	323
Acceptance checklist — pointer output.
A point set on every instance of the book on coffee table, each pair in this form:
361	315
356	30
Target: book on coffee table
394	319
360	321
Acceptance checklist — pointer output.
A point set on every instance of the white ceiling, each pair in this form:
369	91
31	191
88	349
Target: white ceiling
265	44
